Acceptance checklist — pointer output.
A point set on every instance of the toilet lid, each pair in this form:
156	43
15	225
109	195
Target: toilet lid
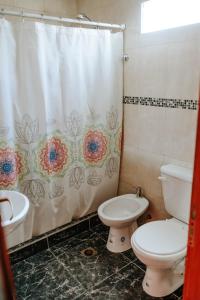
162	237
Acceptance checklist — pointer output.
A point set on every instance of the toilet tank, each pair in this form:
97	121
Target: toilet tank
176	188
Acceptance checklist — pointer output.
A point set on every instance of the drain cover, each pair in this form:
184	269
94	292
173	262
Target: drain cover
89	252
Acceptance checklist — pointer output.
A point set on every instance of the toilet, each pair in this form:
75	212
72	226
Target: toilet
162	245
121	214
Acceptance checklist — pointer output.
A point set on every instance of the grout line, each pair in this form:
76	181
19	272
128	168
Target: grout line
131	260
46	236
111	275
48	242
100	236
54	232
138	266
85	290
33	269
178	298
67	269
28	244
89	224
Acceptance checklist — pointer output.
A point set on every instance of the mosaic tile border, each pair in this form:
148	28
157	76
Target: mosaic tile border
162	102
43	242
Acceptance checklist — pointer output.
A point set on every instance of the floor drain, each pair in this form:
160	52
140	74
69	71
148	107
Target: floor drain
89	252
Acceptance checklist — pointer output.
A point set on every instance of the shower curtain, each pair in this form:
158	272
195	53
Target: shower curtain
60	119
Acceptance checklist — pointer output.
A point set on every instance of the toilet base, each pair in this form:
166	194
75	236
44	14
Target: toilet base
162	282
119	239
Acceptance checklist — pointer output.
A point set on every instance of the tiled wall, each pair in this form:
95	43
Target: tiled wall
54	7
162	65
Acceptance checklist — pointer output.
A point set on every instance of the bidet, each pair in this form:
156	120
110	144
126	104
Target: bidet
121	214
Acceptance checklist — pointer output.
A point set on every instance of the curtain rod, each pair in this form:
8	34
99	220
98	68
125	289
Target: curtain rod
61	19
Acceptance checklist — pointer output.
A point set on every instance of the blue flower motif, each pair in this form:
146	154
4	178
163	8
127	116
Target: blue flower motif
93	146
53	155
11	167
6	167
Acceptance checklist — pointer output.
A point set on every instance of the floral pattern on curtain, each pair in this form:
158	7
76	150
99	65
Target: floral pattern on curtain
61	120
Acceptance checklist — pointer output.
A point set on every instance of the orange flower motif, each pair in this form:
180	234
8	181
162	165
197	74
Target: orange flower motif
10	167
94	146
53	156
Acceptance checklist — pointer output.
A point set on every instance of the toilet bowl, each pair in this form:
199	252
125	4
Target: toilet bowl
161	246
120	214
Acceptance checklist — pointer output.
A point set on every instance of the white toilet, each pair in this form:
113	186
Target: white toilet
162	245
120	214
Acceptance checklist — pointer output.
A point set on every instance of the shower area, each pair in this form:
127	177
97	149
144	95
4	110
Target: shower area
61	94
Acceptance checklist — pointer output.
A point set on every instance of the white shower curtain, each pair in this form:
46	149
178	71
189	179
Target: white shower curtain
60	119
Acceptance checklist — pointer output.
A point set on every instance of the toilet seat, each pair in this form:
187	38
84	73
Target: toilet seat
168	237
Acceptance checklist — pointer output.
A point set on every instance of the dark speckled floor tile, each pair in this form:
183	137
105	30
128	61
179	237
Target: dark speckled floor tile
64	272
52	282
28	265
94	221
140	264
102	230
84	296
84	237
126	285
90	270
68	233
28	251
130	254
119	286
179	292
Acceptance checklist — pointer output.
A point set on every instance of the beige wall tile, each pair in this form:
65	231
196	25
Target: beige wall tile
183	73
146	72
181	134
115	11
163	64
30	4
129	167
140	168
186	34
61	7
131	127
53	7
169	160
7	2
152	128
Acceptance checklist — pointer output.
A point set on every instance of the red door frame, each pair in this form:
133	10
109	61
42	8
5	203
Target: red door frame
5	269
192	272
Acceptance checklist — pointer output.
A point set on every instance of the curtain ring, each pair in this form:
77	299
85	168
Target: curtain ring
22	16
2	13
61	24
42	18
60	21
